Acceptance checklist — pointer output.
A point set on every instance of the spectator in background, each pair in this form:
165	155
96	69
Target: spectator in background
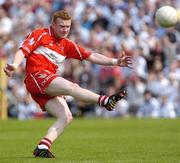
167	109
139	63
5	24
86	79
136	88
27	109
177	102
150	106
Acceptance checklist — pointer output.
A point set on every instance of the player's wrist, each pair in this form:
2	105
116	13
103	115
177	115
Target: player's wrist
114	62
15	65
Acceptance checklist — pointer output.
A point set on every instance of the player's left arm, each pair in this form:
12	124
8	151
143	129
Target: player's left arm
77	52
123	61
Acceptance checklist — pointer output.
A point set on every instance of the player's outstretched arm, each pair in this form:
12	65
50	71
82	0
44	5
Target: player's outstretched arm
123	61
10	68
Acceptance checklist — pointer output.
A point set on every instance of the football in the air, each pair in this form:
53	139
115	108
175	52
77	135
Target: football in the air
166	16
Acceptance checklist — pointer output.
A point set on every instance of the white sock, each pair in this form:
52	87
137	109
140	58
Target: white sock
106	100
42	146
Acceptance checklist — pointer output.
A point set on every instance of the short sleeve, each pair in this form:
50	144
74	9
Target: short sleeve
31	42
75	51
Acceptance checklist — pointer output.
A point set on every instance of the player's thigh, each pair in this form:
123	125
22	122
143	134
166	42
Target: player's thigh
58	108
60	86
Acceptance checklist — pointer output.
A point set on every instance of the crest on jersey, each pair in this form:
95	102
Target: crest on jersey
31	41
62	48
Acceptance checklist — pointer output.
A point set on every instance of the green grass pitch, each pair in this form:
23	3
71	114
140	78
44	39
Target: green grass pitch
94	141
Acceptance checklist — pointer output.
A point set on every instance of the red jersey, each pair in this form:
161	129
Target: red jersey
44	51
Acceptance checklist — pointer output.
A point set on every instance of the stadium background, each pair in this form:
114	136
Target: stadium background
102	26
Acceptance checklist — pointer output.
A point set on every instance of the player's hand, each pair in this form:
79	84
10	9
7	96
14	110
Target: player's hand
9	69
124	60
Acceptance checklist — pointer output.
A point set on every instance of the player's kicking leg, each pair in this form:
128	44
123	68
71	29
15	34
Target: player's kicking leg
59	109
61	86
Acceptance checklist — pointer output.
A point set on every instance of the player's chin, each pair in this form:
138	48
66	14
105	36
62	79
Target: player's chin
64	35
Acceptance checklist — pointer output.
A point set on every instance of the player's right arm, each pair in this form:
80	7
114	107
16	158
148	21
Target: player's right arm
10	68
27	47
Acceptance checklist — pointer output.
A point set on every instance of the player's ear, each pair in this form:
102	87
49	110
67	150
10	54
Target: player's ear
53	24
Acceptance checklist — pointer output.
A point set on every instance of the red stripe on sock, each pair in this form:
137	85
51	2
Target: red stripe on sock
45	143
48	140
101	100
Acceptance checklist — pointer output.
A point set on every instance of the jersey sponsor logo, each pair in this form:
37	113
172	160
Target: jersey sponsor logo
51	55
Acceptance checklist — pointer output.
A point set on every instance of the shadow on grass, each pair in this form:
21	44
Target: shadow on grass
16	157
26	159
23	157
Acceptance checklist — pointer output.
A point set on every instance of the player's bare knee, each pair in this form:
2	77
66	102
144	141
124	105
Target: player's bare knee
67	119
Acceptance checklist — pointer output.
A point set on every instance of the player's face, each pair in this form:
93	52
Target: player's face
61	27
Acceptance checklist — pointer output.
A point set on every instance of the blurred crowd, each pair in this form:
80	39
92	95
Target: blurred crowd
102	26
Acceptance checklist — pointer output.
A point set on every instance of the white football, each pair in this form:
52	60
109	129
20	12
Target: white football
166	16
